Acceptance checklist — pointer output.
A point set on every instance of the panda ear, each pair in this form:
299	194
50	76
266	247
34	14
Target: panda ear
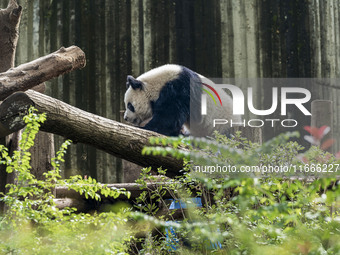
135	84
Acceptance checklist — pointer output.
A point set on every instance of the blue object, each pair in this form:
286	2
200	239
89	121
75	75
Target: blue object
171	238
179	204
170	233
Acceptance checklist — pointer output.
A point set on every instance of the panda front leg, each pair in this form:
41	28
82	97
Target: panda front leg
142	124
165	126
170	111
184	130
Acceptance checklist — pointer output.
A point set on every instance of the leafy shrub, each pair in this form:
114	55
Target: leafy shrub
260	215
33	224
283	215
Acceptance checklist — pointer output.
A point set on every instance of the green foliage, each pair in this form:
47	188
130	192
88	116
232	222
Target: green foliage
251	215
33	224
262	215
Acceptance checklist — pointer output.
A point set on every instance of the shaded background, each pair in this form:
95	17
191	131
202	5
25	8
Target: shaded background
227	38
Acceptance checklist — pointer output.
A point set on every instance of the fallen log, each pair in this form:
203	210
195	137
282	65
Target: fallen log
66	197
134	189
80	204
28	75
113	137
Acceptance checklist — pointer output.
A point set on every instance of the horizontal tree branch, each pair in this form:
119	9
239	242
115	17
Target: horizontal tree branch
113	137
28	75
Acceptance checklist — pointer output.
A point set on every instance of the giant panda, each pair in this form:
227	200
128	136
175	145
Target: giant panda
167	100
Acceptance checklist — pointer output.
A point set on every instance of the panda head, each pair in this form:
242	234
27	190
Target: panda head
137	102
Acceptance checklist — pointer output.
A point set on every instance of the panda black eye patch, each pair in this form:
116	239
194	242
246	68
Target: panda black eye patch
130	107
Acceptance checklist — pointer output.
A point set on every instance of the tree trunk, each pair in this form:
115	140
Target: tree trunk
9	33
28	75
15	80
113	137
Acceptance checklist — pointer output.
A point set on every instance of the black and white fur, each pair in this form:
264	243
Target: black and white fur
166	99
